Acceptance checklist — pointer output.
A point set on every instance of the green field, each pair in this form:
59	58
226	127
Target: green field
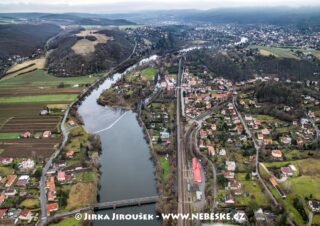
148	73
254	190
39	98
9	135
283	52
165	166
42	78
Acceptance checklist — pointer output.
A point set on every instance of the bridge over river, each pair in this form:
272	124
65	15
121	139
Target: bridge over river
108	205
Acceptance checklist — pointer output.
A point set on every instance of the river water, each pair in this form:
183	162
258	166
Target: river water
126	168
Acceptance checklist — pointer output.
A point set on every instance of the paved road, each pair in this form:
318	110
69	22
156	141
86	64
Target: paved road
257	147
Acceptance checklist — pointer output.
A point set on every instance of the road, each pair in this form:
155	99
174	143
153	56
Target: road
257	147
65	133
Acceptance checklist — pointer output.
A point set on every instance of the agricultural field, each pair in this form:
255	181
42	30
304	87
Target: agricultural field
31	124
24	148
27	66
283	52
22	98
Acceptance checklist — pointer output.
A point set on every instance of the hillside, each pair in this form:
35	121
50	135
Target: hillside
24	39
77	53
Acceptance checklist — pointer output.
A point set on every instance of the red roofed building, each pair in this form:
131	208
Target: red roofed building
61	176
196	170
51	207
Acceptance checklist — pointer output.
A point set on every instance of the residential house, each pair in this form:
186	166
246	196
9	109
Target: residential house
286	171
2	198
229	199
61	176
234	184
52	207
25	215
5	160
259	216
27	164
10	180
230	165
23	181
314	205
46	134
277	154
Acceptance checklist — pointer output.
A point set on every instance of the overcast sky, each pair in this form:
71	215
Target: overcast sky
109	6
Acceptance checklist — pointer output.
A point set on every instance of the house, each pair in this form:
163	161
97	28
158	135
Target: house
230	165
3	213
286	140
25	134
69	154
260	136
10	192
265	131
2	198
199	195
286	171
314	205
71	123
228	174
25	215
222	152
229	199
46	134
267	141
276	154
234	185
51	207
10	180
27	164
211	150
164	135
61	176
5	160
23	181
259	216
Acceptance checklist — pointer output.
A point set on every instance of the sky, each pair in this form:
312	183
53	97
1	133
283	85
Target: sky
115	6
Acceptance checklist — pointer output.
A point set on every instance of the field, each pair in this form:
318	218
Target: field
283	52
32	124
30	203
148	73
9	135
78	199
254	191
24	67
165	166
85	46
39	98
40	78
303	186
24	148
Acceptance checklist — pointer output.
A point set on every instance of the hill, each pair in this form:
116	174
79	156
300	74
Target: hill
81	52
24	39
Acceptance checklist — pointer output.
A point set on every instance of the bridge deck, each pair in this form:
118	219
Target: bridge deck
125	203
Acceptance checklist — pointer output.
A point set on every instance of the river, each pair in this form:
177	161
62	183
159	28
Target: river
126	168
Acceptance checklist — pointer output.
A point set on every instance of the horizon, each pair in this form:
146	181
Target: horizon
134	6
